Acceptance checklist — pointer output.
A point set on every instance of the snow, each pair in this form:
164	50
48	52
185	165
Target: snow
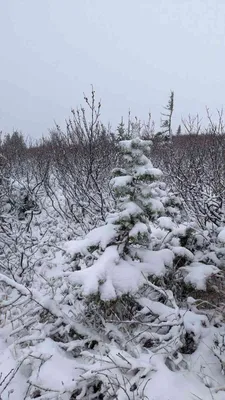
198	273
168	385
60	371
56	336
129	210
147	170
181	230
194	323
183	252
156	205
112	277
121	181
12	386
157	308
154	262
166	223
139	227
101	236
134	144
221	236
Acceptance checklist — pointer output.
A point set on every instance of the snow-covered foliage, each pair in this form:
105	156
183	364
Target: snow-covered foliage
194	168
120	250
133	309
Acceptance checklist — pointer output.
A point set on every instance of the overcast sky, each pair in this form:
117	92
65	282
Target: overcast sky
132	51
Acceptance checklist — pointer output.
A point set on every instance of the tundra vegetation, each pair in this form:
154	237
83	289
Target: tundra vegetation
112	259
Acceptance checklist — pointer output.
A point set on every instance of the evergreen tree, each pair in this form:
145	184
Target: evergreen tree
14	142
121	131
127	230
178	130
166	121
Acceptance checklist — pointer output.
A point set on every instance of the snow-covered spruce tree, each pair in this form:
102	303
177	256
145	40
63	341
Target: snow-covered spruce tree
118	246
113	284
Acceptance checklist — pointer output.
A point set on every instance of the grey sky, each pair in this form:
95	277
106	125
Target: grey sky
132	51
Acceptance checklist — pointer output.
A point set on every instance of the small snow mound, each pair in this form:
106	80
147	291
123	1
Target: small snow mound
198	273
101	236
166	223
183	252
138	228
121	181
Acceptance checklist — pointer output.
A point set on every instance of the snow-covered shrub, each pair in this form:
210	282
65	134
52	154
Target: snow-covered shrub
115	268
194	167
127	312
82	159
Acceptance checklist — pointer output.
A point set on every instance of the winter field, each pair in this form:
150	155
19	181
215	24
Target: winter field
112	257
